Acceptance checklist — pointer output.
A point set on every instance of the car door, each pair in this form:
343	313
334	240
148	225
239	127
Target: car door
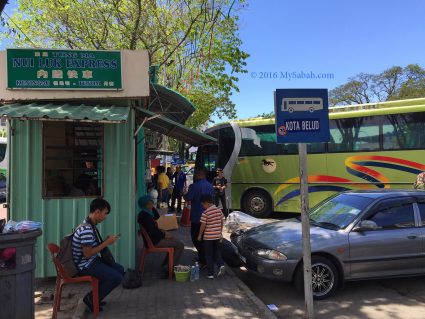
392	249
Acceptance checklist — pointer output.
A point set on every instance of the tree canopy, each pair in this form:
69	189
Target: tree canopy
195	42
394	83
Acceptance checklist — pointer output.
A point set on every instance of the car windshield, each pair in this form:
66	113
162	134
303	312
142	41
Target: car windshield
339	211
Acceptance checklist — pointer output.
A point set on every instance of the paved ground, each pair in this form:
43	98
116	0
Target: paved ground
225	297
378	299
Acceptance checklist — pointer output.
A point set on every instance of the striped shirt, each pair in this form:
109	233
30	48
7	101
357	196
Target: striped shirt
83	236
213	218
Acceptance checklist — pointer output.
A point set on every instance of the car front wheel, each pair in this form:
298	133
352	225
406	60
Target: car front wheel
324	277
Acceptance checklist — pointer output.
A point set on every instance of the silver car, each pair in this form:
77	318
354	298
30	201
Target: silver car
355	235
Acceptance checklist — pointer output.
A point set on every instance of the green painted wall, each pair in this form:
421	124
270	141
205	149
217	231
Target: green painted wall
141	166
59	216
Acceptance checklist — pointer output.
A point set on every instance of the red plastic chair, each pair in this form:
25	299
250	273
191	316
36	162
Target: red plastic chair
63	279
150	248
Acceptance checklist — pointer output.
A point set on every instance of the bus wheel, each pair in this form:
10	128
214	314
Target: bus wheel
257	203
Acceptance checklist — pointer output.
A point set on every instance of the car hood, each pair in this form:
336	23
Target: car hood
276	234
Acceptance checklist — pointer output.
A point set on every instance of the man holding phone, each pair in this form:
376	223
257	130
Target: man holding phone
85	250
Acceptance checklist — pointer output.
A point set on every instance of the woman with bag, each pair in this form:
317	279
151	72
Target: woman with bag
86	247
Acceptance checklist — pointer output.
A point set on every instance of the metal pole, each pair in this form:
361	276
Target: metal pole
305	220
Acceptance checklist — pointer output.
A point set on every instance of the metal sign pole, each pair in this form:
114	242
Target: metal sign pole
305	220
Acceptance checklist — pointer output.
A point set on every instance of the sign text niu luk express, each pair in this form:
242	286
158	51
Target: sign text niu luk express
50	69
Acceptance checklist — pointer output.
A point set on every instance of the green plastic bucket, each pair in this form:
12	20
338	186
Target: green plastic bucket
182	275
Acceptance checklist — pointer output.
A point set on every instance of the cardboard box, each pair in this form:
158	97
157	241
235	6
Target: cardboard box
168	222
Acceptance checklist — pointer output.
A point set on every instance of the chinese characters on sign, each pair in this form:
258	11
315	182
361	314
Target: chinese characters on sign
63	69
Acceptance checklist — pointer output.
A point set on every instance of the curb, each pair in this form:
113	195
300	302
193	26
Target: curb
264	311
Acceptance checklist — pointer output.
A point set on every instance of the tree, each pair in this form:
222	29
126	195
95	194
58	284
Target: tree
195	42
414	84
267	115
392	84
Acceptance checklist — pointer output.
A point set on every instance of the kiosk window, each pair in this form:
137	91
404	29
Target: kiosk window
72	159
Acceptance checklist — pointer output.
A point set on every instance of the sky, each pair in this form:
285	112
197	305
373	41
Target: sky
339	38
343	38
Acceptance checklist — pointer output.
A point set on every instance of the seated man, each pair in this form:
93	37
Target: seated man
161	239
85	250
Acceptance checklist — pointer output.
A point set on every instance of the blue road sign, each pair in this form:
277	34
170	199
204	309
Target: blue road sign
302	115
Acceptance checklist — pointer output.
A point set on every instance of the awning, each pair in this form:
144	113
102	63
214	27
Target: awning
170	103
164	125
66	112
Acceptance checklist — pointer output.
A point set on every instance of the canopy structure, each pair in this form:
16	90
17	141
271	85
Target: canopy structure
66	112
2	5
170	103
164	125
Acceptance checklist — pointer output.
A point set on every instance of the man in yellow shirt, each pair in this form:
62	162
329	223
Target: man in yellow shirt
163	183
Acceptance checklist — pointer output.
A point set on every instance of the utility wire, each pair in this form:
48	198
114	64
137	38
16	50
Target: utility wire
10	19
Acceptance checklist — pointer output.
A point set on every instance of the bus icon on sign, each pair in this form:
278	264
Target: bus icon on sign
310	104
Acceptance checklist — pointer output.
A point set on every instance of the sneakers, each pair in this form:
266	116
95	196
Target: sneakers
210	277
222	271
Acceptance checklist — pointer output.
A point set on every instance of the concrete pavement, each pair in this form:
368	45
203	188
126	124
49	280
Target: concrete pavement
224	297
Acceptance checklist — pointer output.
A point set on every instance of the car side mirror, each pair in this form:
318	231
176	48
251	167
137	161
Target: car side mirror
366	225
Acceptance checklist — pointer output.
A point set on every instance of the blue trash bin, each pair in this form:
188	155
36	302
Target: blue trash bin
17	275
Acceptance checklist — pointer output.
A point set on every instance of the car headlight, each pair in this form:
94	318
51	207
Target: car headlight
270	254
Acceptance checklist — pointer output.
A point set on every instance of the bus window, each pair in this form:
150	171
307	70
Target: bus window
404	131
289	148
259	141
226	143
368	136
354	134
207	157
315	148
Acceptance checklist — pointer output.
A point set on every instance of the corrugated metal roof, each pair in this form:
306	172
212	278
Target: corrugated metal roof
166	126
170	103
66	112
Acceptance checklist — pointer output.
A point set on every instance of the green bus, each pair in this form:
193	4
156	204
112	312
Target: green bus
375	145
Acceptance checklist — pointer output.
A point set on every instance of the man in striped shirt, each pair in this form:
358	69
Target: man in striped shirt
211	229
85	250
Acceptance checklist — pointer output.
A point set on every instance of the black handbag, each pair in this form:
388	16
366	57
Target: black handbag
132	279
105	254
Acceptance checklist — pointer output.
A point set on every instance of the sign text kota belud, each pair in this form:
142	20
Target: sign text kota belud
63	69
302	115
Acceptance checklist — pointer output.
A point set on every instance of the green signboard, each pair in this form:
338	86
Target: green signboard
63	69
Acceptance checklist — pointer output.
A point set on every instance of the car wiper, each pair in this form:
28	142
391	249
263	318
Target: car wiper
328	225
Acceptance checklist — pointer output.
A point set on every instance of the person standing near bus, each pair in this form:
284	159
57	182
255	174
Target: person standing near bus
220	184
420	181
179	178
199	188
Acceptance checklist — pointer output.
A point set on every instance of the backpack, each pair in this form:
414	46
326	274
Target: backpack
65	255
132	279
